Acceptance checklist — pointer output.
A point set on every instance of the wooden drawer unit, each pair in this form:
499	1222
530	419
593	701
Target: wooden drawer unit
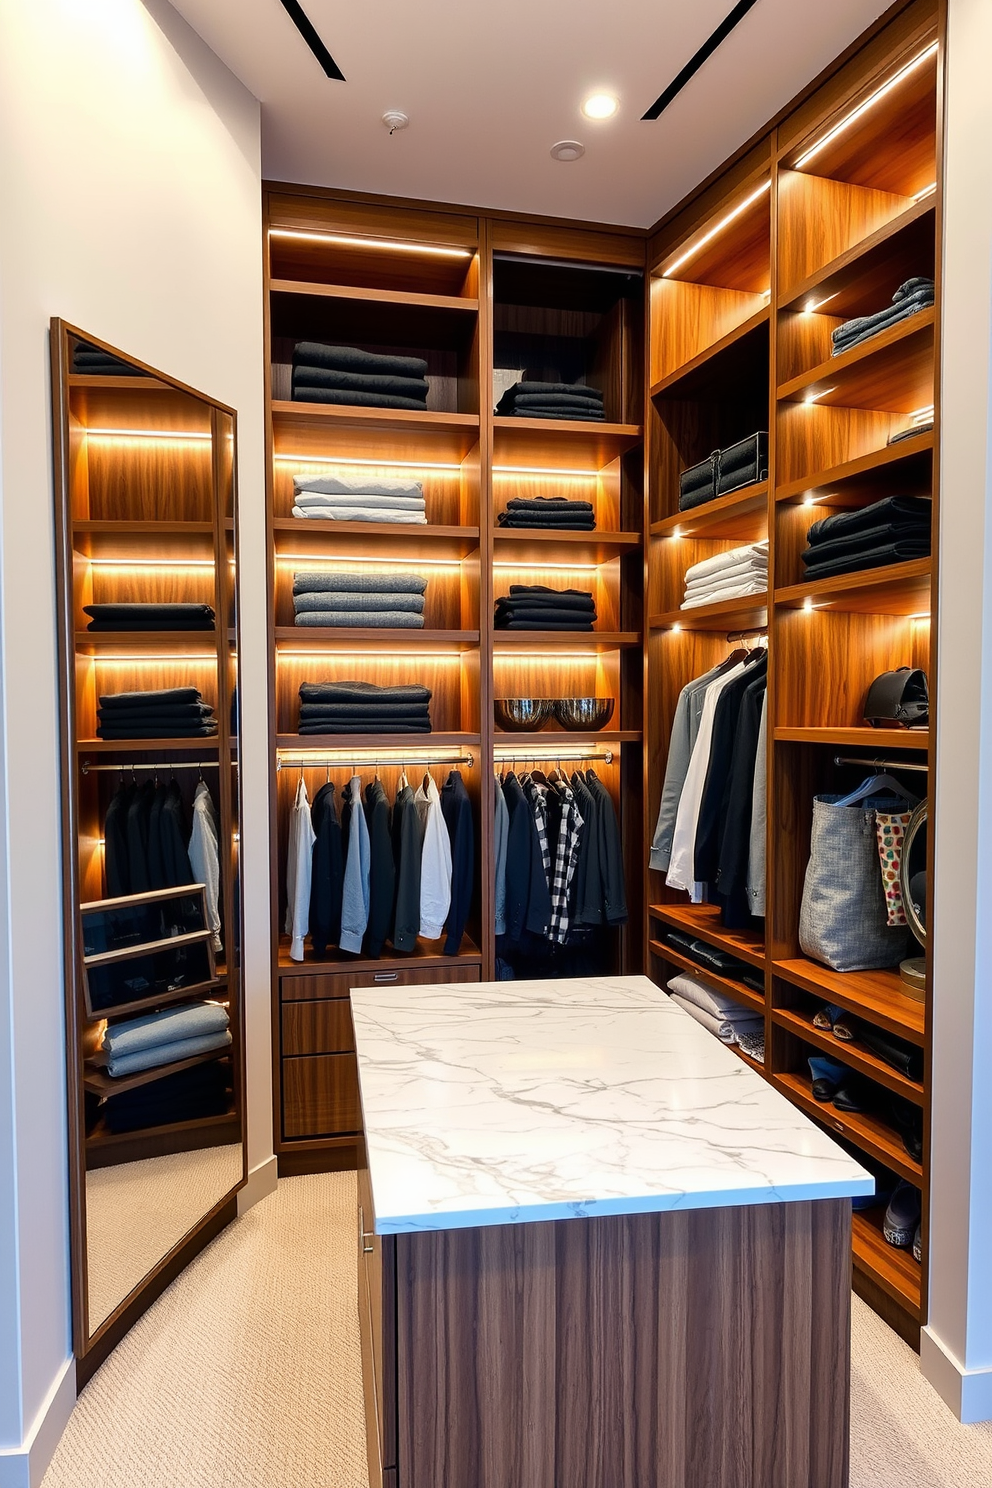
317	1027
320	1096
339	983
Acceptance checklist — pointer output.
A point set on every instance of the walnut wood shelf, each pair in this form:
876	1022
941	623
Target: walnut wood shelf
873	995
558	738
688	380
369	639
862	1128
856	482
552	641
109	528
371	539
119	384
572	446
515	545
704	922
97	1079
737	990
869	739
858	263
892	371
892	1268
197	642
391	297
750	613
421	745
324	429
205	746
900	589
740	514
853	1054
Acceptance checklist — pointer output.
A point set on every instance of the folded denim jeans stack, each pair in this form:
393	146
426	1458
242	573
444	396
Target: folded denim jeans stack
363	708
333	499
726	1019
552	400
915	295
150	616
167	713
535	607
165	1038
92	361
894	530
732	575
548	512
343	374
191	1094
384	601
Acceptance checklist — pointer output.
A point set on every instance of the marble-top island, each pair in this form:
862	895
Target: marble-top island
598	1250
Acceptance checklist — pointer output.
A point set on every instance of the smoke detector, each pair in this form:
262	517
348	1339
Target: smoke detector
394	119
567	150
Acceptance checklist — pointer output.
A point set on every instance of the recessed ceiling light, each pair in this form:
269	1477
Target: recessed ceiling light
600	106
567	150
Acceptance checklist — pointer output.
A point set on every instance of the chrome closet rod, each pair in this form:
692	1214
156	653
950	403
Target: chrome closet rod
343	762
88	769
528	757
880	764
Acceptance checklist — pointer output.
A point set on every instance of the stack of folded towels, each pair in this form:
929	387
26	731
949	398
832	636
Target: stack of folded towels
894	530
731	575
386	601
548	511
94	362
169	713
191	1094
150	616
535	607
165	1038
726	1019
363	708
343	374
334	499
551	400
916	294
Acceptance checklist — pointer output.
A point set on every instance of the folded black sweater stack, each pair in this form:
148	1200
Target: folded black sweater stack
535	607
363	708
548	512
551	400
168	713
895	530
385	601
343	374
92	361
150	616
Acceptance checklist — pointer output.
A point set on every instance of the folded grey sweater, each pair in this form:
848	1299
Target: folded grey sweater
374	619
350	583
367	603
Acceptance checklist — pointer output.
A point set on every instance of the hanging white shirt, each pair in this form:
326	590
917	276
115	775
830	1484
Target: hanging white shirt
435	863
682	861
299	867
204	857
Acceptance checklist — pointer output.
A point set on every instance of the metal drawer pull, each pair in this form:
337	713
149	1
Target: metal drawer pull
364	1236
386	976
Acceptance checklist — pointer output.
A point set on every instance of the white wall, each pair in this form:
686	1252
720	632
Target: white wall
130	190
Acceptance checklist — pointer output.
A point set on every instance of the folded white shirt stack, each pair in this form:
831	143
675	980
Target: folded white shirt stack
717	1012
730	575
333	498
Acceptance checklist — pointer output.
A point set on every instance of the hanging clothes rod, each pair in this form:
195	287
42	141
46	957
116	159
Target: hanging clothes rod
880	764
525	756
345	761
745	635
88	769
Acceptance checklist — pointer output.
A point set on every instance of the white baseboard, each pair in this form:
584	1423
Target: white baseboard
26	1465
967	1392
261	1182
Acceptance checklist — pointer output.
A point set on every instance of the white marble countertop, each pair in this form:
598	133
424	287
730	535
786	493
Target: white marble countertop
511	1102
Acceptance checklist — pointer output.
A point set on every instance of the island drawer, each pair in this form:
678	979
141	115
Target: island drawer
317	1027
339	983
320	1096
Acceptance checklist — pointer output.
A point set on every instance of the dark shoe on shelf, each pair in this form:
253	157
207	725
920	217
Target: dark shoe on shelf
918	1246
902	1217
853	1095
908	1122
828	1074
825	1018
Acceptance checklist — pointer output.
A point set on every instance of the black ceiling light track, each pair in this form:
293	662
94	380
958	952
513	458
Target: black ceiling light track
695	62
308	31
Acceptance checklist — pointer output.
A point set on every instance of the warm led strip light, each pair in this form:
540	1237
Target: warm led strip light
715	231
814	397
539	563
138	660
372	655
868	103
544	655
388	244
144	434
545	470
153	562
379	464
335	562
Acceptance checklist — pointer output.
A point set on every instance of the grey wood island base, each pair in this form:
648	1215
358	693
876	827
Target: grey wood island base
698	1336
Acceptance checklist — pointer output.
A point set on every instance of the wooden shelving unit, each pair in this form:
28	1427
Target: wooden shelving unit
501	296
746	284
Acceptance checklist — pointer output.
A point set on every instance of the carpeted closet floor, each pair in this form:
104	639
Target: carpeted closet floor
246	1374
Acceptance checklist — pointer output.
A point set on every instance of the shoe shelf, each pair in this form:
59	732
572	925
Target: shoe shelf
703	921
872	995
853	1054
737	990
891	1267
864	1129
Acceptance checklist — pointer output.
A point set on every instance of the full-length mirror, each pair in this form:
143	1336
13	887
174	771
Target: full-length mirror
145	515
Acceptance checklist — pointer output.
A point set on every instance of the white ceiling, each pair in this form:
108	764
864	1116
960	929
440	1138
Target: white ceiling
490	87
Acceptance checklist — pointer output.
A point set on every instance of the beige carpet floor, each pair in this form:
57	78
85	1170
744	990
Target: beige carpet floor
246	1374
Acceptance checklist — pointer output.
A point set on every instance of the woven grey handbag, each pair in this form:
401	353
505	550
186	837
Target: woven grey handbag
843	920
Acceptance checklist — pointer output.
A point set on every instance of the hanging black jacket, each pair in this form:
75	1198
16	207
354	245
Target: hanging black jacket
175	829
456	808
709	824
735	842
139	811
610	852
327	876
408	847
587	885
115	855
521	834
382	870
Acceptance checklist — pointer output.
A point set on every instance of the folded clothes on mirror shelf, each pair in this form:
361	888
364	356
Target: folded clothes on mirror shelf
193	1094
150	616
93	361
348	375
